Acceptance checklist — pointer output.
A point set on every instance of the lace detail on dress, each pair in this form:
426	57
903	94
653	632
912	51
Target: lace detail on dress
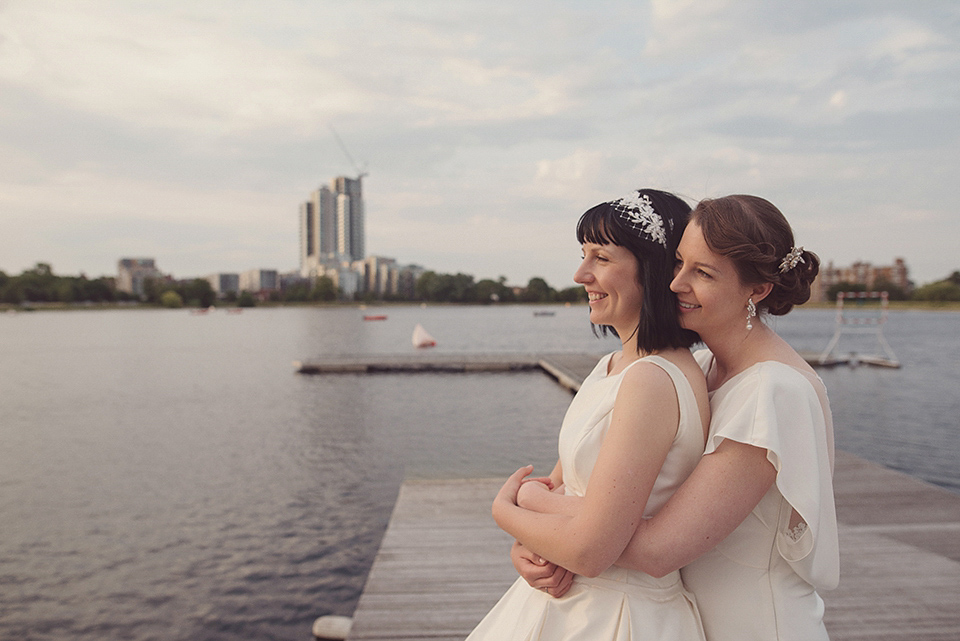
796	532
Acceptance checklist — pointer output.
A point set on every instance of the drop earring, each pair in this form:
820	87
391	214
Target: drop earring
751	312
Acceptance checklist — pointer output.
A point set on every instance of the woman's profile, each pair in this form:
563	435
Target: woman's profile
753	529
632	434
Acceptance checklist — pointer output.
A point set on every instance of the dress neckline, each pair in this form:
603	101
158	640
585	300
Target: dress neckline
810	376
606	368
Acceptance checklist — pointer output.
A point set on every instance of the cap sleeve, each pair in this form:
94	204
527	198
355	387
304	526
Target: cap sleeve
776	407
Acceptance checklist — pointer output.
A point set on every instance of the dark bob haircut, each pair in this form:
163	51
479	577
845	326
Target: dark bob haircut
658	326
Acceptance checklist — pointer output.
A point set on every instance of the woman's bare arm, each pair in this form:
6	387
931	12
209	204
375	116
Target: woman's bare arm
722	490
643	425
539	498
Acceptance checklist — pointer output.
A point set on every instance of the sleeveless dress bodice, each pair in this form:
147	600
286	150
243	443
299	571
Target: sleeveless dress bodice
618	604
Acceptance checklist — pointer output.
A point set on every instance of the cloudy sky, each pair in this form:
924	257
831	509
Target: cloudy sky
191	131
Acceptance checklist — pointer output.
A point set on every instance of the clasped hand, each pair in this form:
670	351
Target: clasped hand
535	570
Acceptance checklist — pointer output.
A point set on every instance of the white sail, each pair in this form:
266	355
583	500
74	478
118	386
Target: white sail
421	338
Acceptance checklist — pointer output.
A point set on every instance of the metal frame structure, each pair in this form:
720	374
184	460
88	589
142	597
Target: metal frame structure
850	325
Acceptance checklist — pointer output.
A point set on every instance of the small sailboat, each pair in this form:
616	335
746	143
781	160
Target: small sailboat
421	338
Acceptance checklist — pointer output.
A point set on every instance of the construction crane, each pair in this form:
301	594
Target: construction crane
361	171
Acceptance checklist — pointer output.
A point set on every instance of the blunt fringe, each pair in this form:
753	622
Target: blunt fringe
658	326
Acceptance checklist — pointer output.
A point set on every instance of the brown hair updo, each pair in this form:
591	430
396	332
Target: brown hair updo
752	233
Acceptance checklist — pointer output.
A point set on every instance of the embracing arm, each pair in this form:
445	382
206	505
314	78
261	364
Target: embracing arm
722	490
535	570
642	428
540	573
720	493
538	497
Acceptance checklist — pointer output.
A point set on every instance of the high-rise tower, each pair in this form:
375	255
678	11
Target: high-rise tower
350	233
332	225
309	239
323	204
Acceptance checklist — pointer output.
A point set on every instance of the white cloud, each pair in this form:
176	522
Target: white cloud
569	176
157	69
839	99
689	28
193	130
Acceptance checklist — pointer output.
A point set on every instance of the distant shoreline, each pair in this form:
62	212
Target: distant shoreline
933	306
896	305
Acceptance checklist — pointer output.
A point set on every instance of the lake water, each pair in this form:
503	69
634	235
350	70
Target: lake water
165	475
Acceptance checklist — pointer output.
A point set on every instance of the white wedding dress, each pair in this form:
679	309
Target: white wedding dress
619	604
761	582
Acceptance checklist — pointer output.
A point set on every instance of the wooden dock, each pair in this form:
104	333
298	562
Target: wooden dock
554	364
417	362
566	369
443	563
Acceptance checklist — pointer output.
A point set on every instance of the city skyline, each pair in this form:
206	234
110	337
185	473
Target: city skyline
192	133
332	225
896	273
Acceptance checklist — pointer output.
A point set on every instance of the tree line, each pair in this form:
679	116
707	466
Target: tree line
461	288
945	290
41	285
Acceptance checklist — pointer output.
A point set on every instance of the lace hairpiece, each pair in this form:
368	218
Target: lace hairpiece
636	211
791	259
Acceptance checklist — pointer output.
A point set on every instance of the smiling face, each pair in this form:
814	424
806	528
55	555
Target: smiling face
609	273
710	296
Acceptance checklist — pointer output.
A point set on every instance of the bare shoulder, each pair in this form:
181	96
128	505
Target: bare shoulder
781	351
685	361
646	377
688	365
647	394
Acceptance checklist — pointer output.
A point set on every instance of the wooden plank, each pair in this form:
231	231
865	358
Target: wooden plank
444	563
417	362
567	369
892	590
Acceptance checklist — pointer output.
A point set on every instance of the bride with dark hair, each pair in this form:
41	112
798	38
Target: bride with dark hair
632	434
